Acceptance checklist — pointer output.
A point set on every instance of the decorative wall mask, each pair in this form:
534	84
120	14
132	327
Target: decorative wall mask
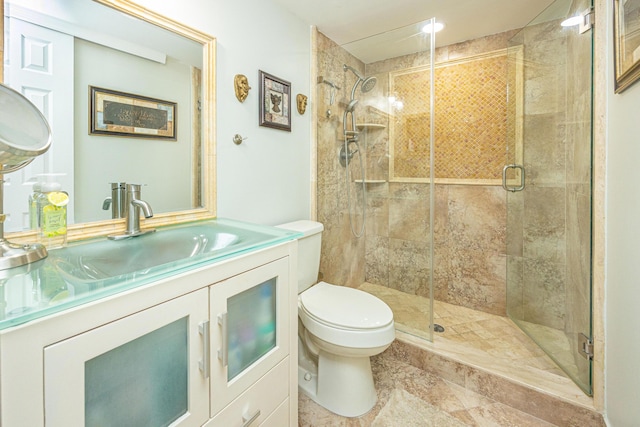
301	100
242	87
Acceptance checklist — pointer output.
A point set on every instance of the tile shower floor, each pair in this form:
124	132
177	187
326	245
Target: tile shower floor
484	334
409	396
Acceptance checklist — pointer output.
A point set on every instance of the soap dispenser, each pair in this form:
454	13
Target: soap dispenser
33	205
52	213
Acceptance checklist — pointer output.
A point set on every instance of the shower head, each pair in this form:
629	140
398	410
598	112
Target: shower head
368	84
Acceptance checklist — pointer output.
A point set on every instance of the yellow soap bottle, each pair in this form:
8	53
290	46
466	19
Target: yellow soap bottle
52	215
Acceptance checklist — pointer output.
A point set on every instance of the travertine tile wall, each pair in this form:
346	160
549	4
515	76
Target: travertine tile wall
469	220
342	259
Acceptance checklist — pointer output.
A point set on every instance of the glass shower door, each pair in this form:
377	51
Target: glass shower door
394	121
548	179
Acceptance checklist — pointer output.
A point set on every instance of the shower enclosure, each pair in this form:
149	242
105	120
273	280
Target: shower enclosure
444	244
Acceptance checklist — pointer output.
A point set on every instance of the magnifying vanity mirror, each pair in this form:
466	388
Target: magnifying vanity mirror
24	135
56	53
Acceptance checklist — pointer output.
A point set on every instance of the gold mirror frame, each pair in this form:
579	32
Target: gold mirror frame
208	162
626	46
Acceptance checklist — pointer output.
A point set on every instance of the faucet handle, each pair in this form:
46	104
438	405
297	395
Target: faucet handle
106	203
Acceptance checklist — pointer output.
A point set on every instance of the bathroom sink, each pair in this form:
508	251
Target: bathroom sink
104	261
92	269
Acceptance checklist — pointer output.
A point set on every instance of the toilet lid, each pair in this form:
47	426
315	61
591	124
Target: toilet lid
345	307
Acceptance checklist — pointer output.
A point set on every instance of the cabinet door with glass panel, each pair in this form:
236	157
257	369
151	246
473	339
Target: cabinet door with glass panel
249	329
144	369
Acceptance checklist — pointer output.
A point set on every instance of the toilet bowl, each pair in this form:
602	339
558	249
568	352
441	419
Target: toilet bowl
342	329
339	329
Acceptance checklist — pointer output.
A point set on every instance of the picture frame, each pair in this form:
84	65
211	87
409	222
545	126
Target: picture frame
626	39
275	102
113	113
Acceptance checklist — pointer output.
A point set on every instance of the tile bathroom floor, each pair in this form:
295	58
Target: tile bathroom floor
409	396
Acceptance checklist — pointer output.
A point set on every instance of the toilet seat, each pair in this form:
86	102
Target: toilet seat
346	316
345	308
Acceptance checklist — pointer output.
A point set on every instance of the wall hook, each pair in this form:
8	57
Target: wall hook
237	139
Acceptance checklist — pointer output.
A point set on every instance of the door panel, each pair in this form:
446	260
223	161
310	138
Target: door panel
40	68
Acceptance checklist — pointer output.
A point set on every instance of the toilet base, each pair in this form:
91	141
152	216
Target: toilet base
343	385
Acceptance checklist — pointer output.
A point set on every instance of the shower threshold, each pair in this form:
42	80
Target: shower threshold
483	340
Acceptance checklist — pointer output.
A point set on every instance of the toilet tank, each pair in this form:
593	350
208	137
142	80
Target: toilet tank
308	250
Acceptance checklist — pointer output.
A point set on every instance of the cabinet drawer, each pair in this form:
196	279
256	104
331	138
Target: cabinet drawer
279	417
264	396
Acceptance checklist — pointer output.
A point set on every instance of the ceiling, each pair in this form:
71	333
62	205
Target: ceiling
346	21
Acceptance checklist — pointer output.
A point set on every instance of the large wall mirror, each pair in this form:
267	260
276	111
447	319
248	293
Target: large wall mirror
55	51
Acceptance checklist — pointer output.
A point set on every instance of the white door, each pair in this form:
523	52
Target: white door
40	67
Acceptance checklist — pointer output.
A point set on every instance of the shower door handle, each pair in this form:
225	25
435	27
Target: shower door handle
504	178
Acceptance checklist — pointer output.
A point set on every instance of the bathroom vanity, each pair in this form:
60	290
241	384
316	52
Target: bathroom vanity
140	336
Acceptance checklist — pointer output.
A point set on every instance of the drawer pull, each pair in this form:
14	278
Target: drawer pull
247	419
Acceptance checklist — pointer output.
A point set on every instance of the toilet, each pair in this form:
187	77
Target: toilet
339	329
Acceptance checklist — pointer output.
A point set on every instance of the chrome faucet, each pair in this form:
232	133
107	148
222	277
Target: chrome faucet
134	206
117	200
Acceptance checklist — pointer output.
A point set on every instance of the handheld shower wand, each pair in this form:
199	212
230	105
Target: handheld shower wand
367	83
351	138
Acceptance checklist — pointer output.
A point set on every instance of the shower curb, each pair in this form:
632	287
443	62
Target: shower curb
526	398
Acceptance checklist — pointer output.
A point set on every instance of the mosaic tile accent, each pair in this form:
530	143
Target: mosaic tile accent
470	120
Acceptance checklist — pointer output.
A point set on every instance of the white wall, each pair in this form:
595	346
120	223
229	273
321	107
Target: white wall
266	179
622	293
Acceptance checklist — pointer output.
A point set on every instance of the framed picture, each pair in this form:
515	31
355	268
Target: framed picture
123	114
626	39
275	102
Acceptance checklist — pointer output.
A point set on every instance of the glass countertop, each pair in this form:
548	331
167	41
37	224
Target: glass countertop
89	270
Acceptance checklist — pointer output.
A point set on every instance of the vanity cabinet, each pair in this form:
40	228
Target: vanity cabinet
213	346
250	337
139	370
